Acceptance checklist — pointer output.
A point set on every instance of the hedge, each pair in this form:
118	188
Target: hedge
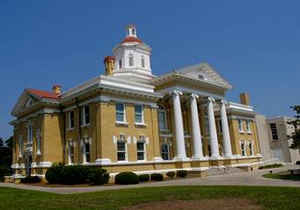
125	178
181	173
31	179
170	174
157	177
60	174
144	177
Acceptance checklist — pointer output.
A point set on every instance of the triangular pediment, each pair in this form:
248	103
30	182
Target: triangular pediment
204	72
26	100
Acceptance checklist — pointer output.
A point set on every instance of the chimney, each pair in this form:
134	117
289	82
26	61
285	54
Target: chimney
56	89
109	62
245	99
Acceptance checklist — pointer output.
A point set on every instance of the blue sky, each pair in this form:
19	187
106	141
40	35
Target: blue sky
255	45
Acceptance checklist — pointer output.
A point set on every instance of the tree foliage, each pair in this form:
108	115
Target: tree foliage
296	123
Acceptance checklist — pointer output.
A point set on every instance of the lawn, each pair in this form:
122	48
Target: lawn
283	175
264	197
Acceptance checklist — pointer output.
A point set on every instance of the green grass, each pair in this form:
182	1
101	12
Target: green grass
283	175
276	165
269	197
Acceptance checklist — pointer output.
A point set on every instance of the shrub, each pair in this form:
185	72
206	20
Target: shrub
171	174
98	176
181	173
54	174
126	178
4	172
75	175
275	165
31	179
144	177
157	177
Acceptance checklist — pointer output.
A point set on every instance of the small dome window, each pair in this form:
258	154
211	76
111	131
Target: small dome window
201	76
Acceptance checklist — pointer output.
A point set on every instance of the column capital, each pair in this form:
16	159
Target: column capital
223	101
176	93
211	99
194	96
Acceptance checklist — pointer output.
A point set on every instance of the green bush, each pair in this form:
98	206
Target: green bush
54	174
75	175
276	165
157	177
126	178
98	176
181	173
31	179
4	171
171	174
144	177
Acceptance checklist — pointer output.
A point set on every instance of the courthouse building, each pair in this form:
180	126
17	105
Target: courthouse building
132	120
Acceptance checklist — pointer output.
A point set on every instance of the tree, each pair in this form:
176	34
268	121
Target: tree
296	123
1	142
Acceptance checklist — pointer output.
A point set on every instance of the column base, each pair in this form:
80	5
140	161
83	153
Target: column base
215	157
198	158
157	159
228	156
181	158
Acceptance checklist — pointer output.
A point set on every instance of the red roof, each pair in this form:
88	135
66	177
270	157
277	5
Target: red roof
131	39
43	94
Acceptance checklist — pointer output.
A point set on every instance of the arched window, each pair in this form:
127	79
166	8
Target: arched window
143	61
130	60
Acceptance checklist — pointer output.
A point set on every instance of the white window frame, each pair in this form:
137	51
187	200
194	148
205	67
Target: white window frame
83	116
165	117
240	124
143	141
248	126
70	145
70	119
168	148
243	149
29	133
86	142
130	60
122	140
123	112
143	62
142	114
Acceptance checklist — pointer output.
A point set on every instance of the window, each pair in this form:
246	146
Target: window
86	153
71	119
162	119
121	149
143	61
250	148
140	148
240	125
38	142
85	115
29	133
165	151
131	60
70	152
220	126
243	149
120	112
248	126
139	117
120	63
274	131
21	146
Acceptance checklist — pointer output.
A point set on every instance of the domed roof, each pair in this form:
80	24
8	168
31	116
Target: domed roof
131	39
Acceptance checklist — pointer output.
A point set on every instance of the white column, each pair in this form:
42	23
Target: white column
179	134
196	133
212	129
225	130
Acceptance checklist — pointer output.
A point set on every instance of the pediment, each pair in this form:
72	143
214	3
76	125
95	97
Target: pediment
204	72
26	100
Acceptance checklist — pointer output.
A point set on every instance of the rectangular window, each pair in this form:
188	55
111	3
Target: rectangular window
121	149
243	149
165	151
120	64
87	152
250	148
21	146
38	141
241	126
248	125
71	119
120	112
29	133
274	131
71	153
139	118
162	120
85	115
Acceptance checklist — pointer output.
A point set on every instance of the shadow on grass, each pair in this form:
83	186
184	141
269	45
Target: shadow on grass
283	175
